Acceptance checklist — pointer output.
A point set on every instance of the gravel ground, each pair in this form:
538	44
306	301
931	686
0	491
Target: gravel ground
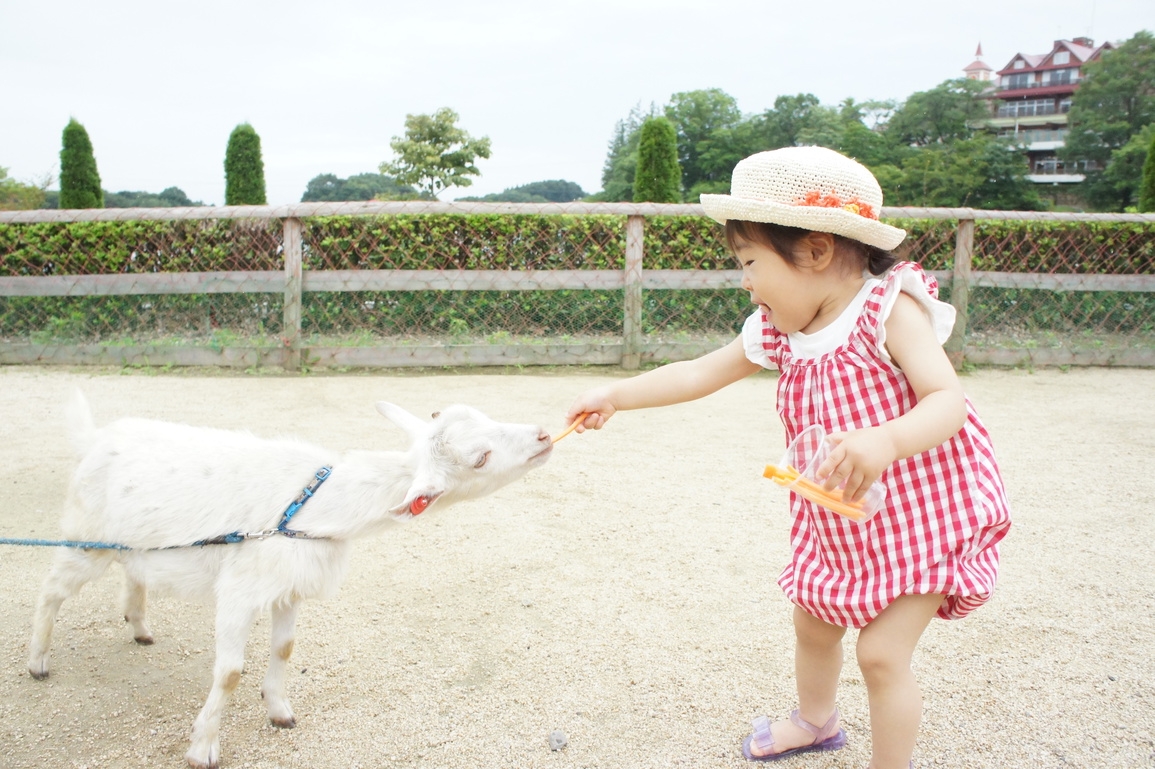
623	594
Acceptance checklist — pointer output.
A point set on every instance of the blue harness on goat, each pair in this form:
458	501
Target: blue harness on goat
224	539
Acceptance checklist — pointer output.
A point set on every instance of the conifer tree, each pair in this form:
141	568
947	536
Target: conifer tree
658	178
244	169
79	179
1147	187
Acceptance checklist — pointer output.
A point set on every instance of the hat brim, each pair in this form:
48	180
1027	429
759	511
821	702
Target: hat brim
722	208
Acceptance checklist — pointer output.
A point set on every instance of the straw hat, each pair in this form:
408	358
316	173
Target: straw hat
813	188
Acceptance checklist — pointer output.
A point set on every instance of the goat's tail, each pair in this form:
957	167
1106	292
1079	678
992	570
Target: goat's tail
81	428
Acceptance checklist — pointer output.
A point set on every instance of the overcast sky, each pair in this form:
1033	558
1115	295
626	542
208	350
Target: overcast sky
159	86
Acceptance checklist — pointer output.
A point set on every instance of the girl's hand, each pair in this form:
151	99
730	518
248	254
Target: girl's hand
596	405
857	459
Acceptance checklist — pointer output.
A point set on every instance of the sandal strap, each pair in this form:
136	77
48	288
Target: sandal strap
820	733
762	738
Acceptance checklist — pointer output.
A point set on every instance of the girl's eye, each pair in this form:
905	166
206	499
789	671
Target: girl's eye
480	463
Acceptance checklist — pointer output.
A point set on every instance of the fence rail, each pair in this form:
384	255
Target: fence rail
1100	303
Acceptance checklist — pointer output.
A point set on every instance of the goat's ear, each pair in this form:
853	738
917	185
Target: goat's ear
413	426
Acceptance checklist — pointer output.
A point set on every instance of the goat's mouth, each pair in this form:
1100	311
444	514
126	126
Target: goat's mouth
541	456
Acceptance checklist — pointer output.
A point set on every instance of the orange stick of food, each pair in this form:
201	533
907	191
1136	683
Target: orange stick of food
831	500
571	428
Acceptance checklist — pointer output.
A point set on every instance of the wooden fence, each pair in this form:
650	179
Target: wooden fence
630	352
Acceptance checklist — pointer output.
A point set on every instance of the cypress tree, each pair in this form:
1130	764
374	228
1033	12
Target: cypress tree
79	179
1147	187
658	178
244	169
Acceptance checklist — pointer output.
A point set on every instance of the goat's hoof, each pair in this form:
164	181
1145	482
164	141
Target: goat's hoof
195	763
284	723
144	640
38	666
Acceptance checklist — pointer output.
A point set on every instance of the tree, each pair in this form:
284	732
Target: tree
659	177
1147	190
980	172
552	191
622	159
170	197
328	187
699	118
79	179
18	196
244	168
435	154
950	110
1115	100
797	120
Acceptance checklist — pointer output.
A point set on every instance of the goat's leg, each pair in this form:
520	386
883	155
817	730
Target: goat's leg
71	570
234	620
135	598
280	649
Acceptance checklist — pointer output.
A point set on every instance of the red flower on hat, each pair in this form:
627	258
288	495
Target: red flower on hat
854	205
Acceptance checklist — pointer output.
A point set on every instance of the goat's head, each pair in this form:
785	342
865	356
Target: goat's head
463	454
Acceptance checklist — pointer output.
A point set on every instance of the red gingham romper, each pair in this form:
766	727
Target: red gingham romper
945	510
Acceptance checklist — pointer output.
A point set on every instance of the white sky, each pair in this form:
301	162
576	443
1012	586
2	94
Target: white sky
159	86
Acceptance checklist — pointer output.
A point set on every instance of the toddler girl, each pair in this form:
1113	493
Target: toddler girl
857	338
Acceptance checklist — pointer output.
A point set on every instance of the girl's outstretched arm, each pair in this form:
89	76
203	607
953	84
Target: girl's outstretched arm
862	456
673	383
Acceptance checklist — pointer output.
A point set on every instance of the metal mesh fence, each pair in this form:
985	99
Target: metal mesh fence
436	284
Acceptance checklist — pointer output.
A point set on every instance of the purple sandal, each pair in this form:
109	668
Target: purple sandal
763	739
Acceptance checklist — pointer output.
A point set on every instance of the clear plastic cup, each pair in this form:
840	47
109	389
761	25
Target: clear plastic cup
806	453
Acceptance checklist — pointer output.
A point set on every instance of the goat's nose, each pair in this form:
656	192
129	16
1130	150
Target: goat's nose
542	436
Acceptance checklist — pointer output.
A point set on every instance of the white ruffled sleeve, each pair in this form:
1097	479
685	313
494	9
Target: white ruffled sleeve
912	281
753	340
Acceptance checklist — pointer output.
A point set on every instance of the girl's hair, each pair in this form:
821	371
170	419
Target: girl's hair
784	241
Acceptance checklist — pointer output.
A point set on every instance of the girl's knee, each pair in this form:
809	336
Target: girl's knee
811	631
879	660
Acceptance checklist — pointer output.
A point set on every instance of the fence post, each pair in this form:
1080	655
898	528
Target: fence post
632	299
292	305
960	287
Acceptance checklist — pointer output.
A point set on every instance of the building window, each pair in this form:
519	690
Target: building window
1031	108
1022	80
1019	64
1062	57
1060	76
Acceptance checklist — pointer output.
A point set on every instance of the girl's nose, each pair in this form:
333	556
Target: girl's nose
746	283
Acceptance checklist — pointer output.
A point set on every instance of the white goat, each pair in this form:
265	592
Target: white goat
150	484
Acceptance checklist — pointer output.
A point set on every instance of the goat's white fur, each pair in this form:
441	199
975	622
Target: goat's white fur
150	484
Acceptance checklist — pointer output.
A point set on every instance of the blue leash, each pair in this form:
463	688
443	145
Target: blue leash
231	538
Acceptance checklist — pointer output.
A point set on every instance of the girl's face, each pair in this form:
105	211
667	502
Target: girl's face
783	291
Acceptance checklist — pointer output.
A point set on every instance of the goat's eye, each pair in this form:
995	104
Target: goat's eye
480	463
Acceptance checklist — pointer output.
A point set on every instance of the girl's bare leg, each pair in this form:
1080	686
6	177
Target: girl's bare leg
885	648
817	664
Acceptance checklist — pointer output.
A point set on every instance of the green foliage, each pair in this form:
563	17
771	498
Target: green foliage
659	177
702	118
622	158
79	179
1123	177
980	172
328	187
1147	191
552	191
244	168
170	197
1115	100
435	153
950	111
17	196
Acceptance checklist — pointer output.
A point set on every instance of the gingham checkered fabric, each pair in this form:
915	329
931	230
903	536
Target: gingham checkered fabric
946	509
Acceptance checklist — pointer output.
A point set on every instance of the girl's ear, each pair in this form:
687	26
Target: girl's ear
817	250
